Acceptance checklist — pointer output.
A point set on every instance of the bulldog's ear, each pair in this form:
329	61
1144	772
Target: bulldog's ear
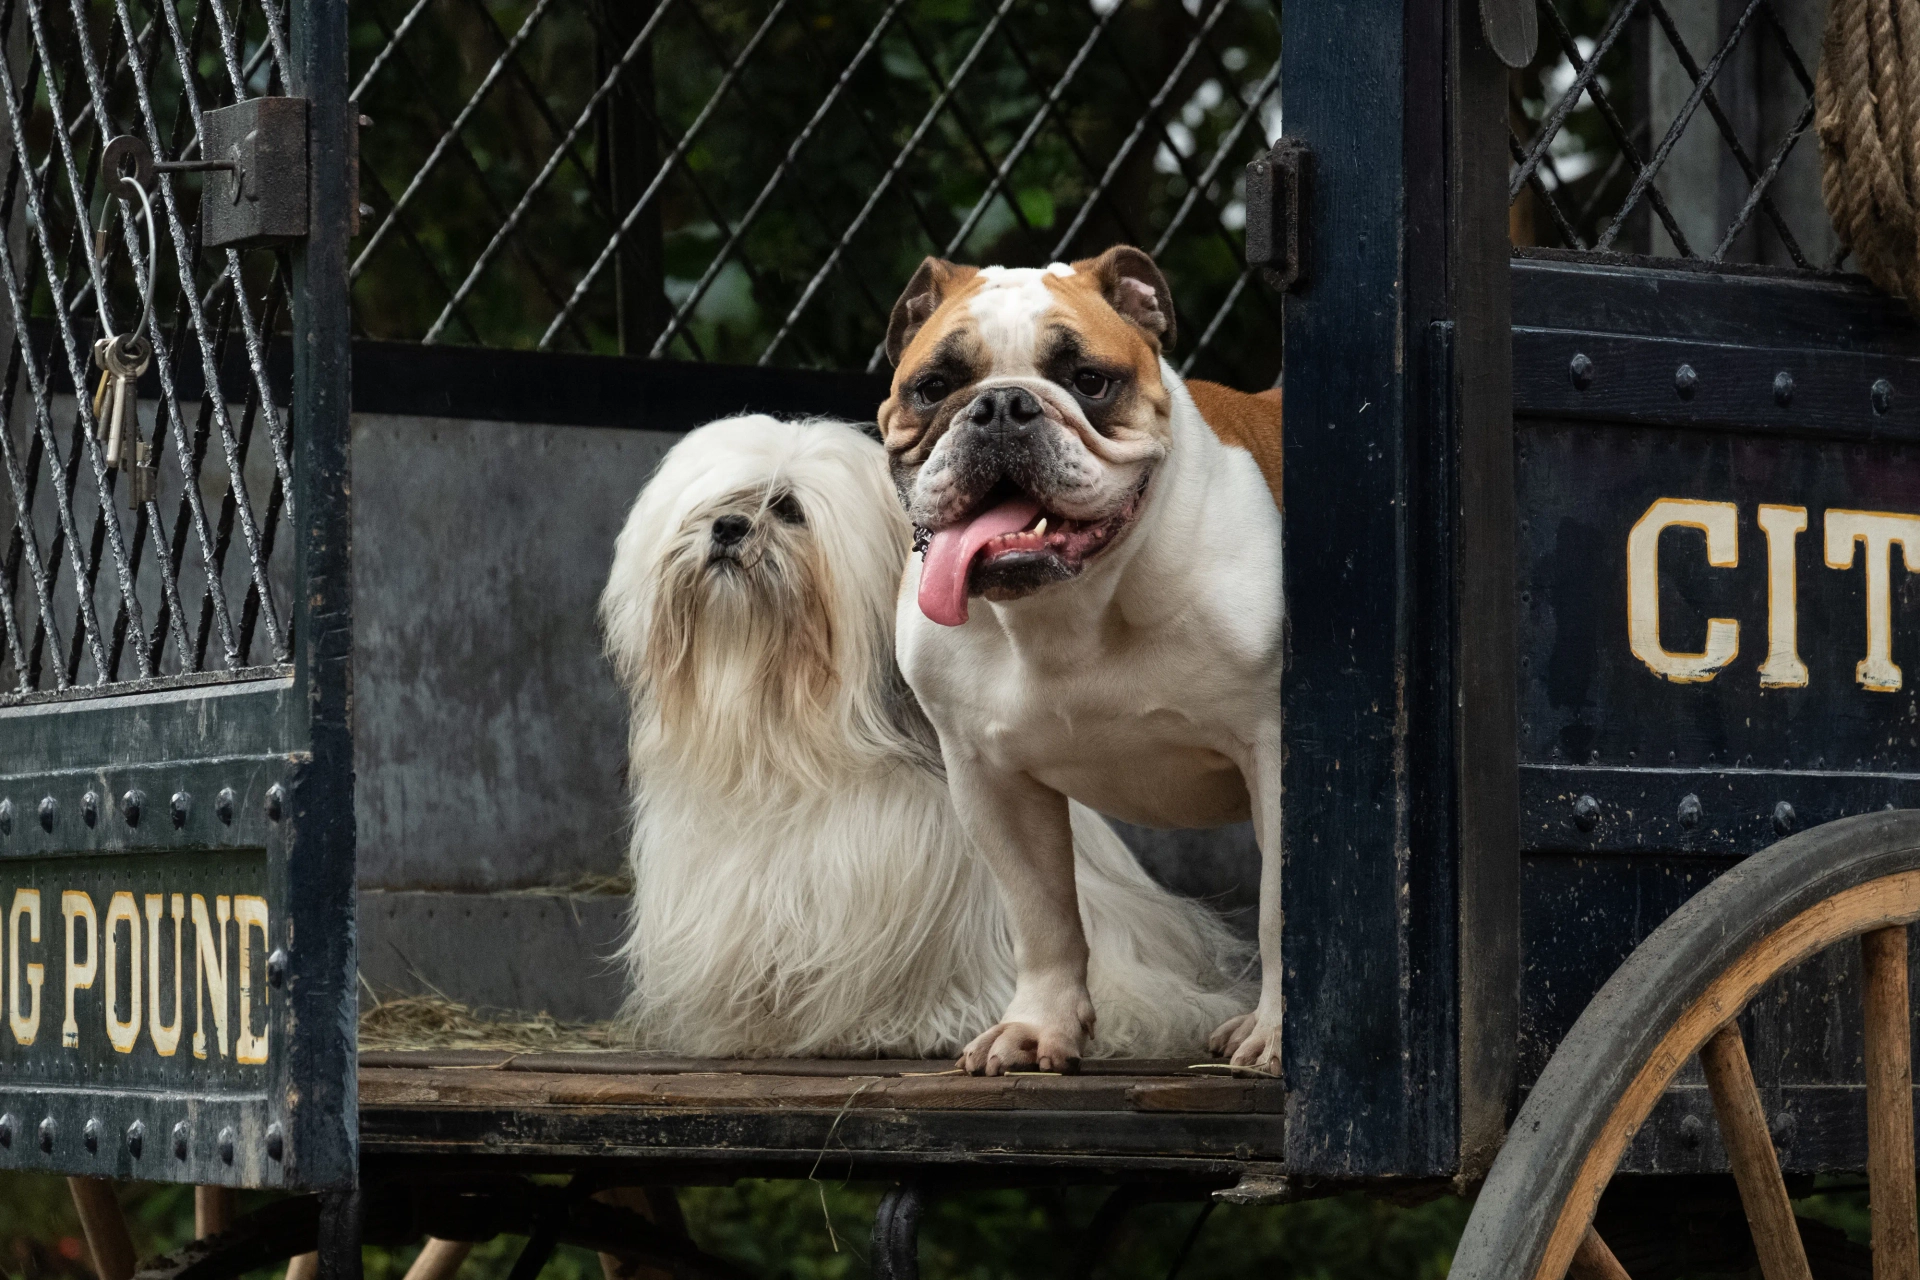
931	285
1133	286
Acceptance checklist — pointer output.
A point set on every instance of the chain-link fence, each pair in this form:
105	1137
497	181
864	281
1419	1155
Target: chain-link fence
139	543
753	182
1673	128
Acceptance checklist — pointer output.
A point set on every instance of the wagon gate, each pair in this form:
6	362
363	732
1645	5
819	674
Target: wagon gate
1597	458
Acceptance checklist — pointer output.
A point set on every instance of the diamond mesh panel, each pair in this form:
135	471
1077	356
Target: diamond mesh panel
1675	128
96	589
753	182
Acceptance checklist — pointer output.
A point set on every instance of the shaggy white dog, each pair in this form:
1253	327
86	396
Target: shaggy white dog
802	885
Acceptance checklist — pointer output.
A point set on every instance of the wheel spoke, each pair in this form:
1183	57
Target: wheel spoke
1743	1129
1896	1243
1594	1261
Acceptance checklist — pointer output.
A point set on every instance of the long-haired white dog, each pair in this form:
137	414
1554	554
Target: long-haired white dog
802	884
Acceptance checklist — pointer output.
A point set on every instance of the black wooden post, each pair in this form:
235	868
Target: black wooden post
1399	828
319	867
629	155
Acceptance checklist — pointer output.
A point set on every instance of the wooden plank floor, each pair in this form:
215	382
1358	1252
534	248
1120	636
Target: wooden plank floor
488	1080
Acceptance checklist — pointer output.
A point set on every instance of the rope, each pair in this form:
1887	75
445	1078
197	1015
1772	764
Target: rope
1867	113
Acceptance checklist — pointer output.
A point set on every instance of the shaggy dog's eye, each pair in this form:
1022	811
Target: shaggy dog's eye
1091	383
787	508
932	390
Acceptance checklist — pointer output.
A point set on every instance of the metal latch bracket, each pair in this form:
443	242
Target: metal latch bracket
1275	197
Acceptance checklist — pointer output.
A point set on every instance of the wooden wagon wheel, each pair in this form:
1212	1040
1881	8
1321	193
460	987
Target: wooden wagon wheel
1677	995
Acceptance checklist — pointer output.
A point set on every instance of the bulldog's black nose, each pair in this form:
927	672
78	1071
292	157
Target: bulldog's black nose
1007	411
728	530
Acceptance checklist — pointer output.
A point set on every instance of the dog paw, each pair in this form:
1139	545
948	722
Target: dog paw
1227	1037
1255	1043
1011	1046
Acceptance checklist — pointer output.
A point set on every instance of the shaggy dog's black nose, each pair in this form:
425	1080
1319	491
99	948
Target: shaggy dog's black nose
1005	411
728	530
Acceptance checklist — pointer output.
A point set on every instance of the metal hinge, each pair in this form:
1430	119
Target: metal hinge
1275	238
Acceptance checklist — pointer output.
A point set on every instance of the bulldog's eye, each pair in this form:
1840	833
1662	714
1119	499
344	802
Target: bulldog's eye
787	508
1091	383
932	390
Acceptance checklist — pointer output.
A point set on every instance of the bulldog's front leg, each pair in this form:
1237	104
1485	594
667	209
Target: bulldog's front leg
1022	829
1254	1038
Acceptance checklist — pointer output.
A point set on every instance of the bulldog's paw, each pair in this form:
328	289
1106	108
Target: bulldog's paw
1010	1046
1252	1040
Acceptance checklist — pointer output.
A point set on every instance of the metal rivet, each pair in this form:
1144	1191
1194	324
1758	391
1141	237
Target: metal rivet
1783	388
182	808
1782	1127
49	810
131	804
1693	1131
91	1135
1581	371
1685	380
225	1146
6	817
276	801
90	808
6	1130
223	805
1882	395
1586	813
276	1141
277	968
180	1141
1783	818
1690	810
47	1130
136	1138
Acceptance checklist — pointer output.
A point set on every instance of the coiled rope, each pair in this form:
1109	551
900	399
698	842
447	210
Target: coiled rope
1867	113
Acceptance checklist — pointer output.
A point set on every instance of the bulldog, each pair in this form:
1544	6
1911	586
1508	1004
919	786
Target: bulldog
1094	610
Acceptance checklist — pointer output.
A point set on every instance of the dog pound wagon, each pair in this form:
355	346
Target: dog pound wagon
1603	637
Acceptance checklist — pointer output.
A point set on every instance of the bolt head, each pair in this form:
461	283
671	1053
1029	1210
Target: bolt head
1882	395
1693	1131
6	1130
47	1131
6	817
180	1141
1586	813
182	808
1690	810
1580	371
49	810
1783	388
276	802
91	1135
131	804
90	808
136	1138
1685	381
276	1142
224	1144
1783	818
277	968
223	805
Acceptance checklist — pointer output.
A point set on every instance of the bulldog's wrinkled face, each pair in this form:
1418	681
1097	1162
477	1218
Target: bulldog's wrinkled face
1026	418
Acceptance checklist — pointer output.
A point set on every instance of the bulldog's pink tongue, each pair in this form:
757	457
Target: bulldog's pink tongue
943	570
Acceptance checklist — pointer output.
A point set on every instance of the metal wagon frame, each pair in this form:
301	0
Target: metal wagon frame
1492	795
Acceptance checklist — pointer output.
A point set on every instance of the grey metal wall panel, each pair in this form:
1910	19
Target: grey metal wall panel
489	736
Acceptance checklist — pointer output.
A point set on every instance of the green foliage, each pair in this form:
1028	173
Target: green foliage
820	1231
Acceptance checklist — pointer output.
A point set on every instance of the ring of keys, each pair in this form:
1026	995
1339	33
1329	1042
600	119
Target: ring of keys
121	361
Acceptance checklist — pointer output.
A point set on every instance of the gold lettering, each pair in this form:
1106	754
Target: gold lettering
249	914
76	906
122	1035
166	1039
1720	522
212	981
1783	668
26	902
1880	531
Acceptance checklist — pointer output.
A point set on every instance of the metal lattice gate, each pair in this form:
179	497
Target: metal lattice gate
176	852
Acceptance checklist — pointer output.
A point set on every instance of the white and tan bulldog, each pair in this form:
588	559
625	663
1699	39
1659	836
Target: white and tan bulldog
1095	612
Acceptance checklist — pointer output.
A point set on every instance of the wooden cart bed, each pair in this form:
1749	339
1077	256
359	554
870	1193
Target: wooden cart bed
787	1116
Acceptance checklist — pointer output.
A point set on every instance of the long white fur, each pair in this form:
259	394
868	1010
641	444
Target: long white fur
802	885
